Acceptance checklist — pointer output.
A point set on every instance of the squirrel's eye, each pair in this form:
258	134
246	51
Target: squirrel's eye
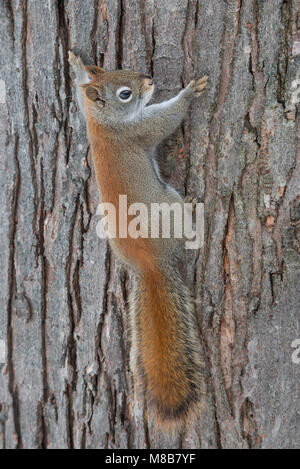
125	94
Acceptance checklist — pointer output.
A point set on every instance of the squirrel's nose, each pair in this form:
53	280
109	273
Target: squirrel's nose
149	78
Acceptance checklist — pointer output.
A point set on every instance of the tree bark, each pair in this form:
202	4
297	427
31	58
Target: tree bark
66	382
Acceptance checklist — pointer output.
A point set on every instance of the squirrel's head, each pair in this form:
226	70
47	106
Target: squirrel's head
121	93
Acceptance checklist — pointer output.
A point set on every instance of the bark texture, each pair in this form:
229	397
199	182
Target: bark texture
63	309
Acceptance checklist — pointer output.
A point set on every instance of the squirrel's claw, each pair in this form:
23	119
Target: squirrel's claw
198	86
190	199
203	79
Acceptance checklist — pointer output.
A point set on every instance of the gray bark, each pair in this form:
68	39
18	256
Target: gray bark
63	310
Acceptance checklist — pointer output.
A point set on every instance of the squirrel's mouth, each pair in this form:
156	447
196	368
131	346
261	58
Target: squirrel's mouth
146	93
146	97
147	86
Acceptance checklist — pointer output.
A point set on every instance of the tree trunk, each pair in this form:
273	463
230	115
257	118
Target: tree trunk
64	380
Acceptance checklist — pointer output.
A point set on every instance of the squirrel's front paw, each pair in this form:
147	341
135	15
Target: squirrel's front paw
197	87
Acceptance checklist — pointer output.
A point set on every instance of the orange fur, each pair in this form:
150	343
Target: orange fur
138	252
160	350
164	340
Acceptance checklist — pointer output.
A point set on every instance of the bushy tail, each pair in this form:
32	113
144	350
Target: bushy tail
165	346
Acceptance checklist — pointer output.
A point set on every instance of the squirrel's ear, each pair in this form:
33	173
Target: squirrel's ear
93	93
94	72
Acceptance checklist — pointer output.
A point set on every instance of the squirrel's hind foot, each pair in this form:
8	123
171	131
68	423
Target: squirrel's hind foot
190	199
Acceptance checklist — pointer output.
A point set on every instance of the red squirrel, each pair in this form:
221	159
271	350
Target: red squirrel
123	130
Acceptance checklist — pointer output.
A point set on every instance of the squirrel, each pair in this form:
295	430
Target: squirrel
123	131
